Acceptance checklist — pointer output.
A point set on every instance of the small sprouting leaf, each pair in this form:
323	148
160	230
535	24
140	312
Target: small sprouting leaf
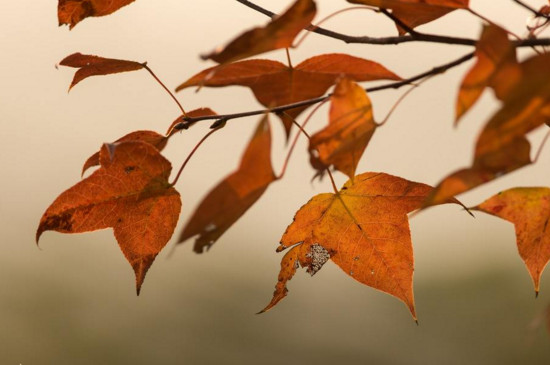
89	65
496	67
351	126
529	210
275	84
364	229
278	33
235	194
130	193
157	140
416	12
71	12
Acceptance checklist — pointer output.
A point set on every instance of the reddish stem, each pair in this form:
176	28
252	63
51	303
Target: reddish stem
192	153
313	27
489	21
288	58
541	147
401	98
165	88
303	131
301	127
332	181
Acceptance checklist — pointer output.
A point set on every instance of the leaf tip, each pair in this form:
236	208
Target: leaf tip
412	308
141	266
140	276
277	297
39	232
281	247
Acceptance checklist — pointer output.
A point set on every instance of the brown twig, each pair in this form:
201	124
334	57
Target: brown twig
534	11
317	25
413	37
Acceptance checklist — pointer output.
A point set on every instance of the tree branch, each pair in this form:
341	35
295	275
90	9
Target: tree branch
534	11
187	121
413	37
370	40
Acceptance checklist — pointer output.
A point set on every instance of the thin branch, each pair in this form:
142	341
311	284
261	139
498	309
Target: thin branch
316	26
534	11
288	58
413	37
537	155
165	88
301	130
370	40
280	109
396	104
258	8
331	177
192	153
298	124
489	21
418	37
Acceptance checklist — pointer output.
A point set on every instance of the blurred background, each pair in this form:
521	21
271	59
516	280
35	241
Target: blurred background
72	301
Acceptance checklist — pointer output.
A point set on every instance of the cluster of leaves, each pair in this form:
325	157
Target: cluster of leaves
362	227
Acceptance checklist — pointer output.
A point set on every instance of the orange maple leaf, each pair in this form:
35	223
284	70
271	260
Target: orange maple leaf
157	140
529	210
278	33
363	228
275	84
351	126
130	193
502	146
235	194
90	65
416	12
72	12
153	138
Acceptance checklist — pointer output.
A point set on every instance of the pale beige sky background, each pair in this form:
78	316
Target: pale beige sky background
73	301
